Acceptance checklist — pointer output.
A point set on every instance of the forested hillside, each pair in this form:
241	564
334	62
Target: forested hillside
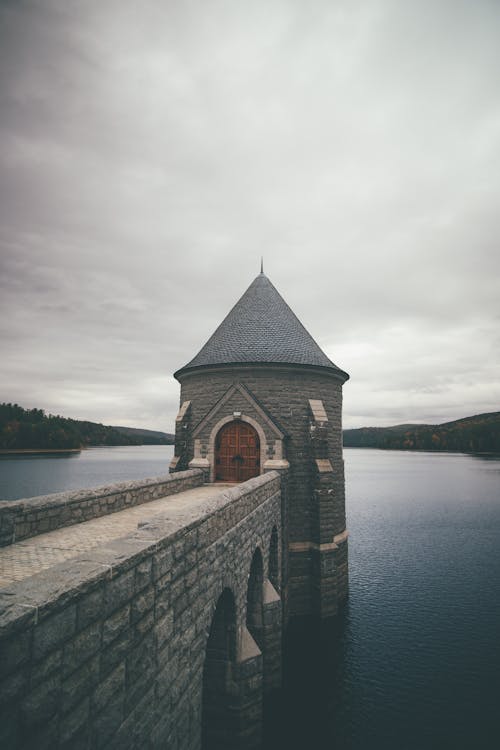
148	437
479	433
33	429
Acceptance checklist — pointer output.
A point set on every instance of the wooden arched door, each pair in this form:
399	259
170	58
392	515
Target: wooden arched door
237	453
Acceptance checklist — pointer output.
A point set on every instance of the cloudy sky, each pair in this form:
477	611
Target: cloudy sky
151	152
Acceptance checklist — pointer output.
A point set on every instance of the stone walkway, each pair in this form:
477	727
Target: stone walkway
24	559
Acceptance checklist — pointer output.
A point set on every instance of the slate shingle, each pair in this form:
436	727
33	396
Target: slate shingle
261	327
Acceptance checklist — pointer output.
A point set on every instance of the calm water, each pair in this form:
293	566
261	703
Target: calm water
413	662
42	474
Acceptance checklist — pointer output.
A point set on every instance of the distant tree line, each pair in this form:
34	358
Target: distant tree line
476	434
32	428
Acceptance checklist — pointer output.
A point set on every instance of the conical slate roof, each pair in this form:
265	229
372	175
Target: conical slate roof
260	328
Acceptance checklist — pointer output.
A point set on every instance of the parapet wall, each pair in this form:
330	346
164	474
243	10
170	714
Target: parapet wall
107	650
21	519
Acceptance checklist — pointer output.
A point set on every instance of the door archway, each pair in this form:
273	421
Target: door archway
237	453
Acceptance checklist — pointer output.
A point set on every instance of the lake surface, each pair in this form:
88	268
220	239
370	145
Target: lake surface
413	661
42	474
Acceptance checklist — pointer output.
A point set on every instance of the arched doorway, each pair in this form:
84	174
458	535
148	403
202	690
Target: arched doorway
237	453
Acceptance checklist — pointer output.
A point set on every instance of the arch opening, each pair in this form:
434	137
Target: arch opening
274	575
237	452
218	719
254	619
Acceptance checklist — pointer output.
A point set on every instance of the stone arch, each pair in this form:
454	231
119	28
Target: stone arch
274	559
218	721
254	611
220	424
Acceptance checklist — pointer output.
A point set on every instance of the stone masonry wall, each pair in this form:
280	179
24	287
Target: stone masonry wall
285	393
107	651
20	519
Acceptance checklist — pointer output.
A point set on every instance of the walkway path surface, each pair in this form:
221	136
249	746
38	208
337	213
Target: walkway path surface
24	559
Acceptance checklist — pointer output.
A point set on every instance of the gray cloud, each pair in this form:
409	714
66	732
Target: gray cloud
151	152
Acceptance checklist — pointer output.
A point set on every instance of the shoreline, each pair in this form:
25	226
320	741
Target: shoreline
42	451
28	451
421	450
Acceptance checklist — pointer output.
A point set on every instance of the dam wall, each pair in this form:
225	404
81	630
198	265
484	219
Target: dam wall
167	637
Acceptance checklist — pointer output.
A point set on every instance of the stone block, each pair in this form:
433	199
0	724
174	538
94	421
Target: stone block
143	626
163	629
131	731
119	591
161	731
180	604
107	722
115	624
90	607
113	683
162	563
79	684
80	648
141	604
54	631
13	686
41	703
115	652
74	726
140	669
162	602
144	718
143	573
14	652
51	664
178	551
16	616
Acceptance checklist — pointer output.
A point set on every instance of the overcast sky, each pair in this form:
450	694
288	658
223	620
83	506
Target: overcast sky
151	152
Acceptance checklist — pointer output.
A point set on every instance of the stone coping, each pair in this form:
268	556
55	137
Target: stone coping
27	517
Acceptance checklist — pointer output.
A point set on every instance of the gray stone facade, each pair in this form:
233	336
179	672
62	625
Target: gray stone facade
121	648
297	411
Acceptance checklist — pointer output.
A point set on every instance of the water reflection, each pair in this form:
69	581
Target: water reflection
494	457
39	455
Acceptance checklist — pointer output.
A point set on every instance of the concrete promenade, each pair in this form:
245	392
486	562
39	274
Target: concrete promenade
30	556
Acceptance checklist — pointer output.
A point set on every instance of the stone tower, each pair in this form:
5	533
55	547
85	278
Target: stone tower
262	396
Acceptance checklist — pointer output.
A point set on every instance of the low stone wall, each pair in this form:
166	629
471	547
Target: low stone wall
20	519
107	650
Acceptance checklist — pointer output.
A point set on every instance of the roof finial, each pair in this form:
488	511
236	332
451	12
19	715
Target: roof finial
262	264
